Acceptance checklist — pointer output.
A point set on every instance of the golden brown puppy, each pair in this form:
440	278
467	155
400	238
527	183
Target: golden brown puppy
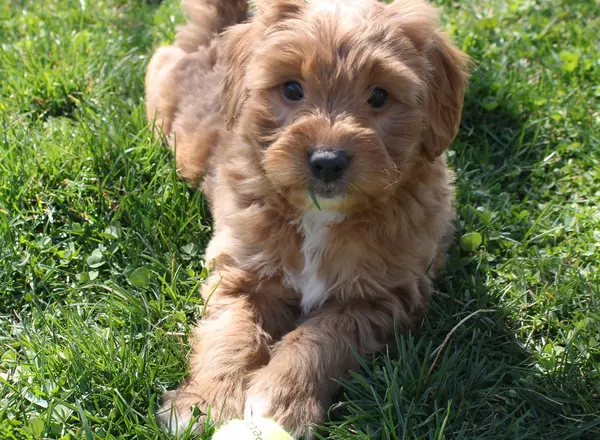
351	103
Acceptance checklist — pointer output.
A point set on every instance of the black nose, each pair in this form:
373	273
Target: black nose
328	165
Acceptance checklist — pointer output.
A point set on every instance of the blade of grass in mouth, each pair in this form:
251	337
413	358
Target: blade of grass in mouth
313	197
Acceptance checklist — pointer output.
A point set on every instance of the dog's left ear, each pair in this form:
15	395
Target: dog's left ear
445	73
446	85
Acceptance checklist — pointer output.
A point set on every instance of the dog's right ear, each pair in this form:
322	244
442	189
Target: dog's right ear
239	41
239	50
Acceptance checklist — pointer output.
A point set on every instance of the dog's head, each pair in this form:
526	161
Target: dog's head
343	99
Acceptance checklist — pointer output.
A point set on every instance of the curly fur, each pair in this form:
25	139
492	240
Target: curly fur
296	291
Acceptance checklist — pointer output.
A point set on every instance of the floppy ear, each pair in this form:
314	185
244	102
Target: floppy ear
239	40
239	50
446	84
445	73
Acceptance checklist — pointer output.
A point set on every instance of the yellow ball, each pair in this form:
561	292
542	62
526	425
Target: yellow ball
253	429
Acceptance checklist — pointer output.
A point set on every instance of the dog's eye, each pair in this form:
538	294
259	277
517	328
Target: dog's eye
379	98
293	91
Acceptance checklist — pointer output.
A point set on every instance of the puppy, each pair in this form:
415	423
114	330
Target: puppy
317	129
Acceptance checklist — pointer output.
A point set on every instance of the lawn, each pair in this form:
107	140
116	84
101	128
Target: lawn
101	245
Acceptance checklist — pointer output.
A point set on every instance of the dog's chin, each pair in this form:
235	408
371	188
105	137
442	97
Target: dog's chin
339	203
327	197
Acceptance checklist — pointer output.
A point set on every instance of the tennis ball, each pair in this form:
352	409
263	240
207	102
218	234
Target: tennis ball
253	429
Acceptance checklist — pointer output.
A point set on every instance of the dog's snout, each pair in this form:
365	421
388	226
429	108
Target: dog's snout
328	165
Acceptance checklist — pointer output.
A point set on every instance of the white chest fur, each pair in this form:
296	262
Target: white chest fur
315	228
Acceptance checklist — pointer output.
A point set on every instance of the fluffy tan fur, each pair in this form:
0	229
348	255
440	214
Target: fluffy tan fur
296	290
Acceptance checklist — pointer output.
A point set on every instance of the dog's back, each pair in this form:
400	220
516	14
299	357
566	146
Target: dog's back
184	84
207	18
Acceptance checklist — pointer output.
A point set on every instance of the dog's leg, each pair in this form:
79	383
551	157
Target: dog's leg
230	342
227	345
297	385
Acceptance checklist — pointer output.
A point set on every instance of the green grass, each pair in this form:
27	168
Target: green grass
101	244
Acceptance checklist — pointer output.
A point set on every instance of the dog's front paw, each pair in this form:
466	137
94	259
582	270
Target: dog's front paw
177	413
256	406
279	396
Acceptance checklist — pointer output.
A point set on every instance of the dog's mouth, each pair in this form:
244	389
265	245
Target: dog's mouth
330	190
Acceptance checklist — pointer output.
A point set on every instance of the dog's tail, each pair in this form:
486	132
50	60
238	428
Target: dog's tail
206	18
